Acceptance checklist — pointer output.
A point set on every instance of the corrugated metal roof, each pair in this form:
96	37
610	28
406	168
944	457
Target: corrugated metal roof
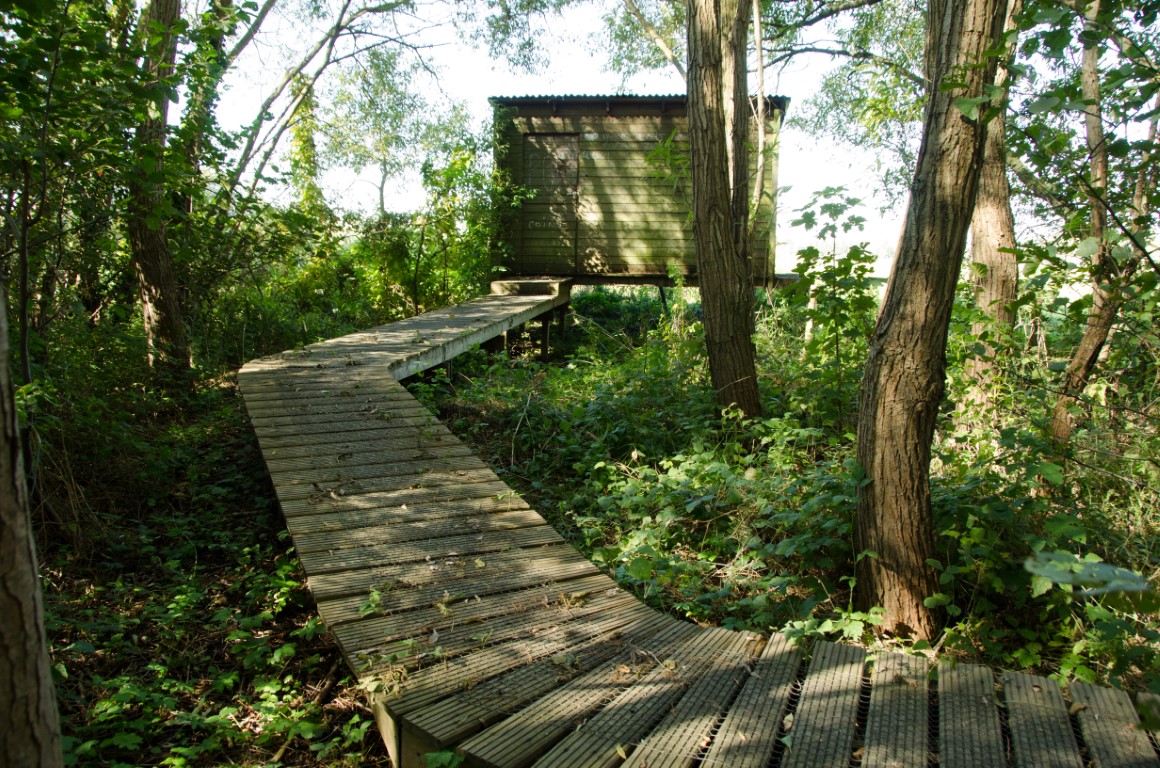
780	102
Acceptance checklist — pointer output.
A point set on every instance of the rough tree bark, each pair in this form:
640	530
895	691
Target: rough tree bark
995	272
718	126
29	726
160	303
906	370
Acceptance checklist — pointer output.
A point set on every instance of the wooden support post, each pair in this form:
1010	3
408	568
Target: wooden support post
545	334
495	344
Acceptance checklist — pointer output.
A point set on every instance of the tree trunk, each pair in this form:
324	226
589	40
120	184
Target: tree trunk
29	726
906	370
718	127
1105	302
995	269
160	304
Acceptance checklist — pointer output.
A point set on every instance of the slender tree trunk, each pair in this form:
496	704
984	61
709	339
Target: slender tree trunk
160	303
718	126
1106	301
906	370
995	269
29	725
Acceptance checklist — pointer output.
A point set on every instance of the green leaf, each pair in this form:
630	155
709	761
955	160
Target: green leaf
937	600
1052	473
970	106
640	569
1040	585
1043	104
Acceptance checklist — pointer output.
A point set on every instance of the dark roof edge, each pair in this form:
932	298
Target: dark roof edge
780	103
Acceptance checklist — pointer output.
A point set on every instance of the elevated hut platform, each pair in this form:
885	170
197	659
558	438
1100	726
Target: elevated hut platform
480	631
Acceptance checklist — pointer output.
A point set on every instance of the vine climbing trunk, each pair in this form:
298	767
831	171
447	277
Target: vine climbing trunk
152	259
905	373
718	133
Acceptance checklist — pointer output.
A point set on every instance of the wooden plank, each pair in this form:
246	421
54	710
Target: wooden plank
1041	735
302	525
420	530
395	410
468	490
470	544
747	736
478	578
456	627
612	733
377	433
401	462
542	603
427	474
298	434
897	722
446	570
1111	729
325	401
281	387
599	663
969	735
410	691
354	454
681	738
822	731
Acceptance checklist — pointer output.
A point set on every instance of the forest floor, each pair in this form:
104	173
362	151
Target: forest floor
181	628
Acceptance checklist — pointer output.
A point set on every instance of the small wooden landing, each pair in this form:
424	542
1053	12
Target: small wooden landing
480	630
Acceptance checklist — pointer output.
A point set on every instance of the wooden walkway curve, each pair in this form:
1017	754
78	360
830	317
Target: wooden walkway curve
479	630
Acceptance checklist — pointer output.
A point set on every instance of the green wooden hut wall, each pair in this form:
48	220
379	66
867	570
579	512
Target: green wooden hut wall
611	196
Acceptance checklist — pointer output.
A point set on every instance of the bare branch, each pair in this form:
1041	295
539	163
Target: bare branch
881	62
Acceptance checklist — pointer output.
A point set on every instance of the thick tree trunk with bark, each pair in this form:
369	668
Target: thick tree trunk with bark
995	269
906	370
29	726
718	125
160	303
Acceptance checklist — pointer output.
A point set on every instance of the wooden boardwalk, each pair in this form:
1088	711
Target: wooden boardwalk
480	630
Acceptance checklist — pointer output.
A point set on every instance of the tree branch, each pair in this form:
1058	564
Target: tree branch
658	40
879	61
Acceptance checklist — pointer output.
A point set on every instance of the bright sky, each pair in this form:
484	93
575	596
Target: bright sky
577	67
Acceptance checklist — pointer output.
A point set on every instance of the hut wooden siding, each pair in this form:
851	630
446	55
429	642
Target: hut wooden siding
611	195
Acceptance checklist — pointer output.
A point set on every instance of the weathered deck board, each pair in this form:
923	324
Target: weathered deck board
611	735
528	734
822	731
682	737
1109	723
748	734
481	630
970	734
1041	732
896	726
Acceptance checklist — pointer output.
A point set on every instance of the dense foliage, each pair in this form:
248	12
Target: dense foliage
180	627
749	524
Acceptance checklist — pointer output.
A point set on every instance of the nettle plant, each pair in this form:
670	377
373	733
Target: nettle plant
837	298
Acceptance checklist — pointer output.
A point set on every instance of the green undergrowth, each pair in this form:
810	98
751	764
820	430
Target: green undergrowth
180	626
749	524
